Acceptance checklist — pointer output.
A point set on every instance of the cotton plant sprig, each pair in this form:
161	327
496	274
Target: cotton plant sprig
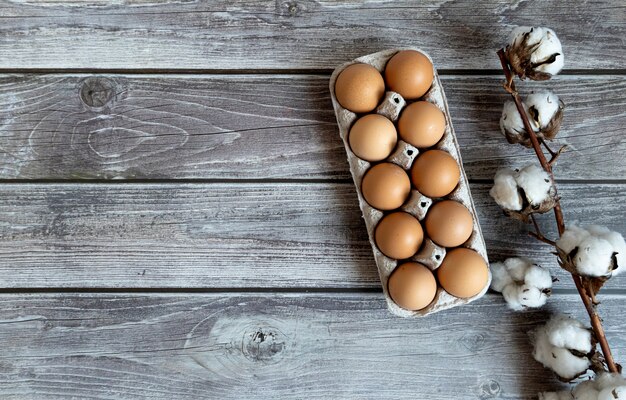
592	255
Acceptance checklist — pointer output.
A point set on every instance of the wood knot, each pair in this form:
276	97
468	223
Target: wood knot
473	341
292	8
263	344
490	389
97	91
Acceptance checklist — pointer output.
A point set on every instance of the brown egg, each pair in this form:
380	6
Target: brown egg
463	273
449	223
409	73
399	235
412	286
421	124
373	137
386	186
359	88
435	173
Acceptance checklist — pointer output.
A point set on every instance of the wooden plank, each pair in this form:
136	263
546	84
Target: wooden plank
259	126
231	235
293	34
260	346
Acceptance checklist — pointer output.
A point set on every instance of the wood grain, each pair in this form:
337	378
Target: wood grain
260	346
293	34
231	235
251	112
264	126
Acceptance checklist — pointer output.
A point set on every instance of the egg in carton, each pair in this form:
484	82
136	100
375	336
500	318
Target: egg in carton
430	254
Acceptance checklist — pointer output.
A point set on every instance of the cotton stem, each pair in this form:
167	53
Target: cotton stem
596	323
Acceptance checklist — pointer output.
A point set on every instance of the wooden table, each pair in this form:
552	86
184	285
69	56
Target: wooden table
177	220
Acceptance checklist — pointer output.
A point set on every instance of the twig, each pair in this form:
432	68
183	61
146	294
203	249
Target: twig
542	238
537	233
596	323
556	155
543	142
592	292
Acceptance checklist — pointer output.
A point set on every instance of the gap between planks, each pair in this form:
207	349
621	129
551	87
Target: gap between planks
304	71
235	181
364	291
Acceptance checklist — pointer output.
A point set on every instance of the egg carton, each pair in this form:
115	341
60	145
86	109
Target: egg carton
430	254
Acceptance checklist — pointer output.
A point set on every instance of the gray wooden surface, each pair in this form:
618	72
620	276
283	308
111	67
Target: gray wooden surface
217	235
294	34
260	126
177	220
269	346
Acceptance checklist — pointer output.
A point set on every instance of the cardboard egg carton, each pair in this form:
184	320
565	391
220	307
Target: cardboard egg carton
430	254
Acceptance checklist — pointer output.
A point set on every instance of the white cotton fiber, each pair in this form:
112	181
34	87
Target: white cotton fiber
533	181
571	238
593	257
500	277
569	333
560	360
542	43
605	386
536	183
522	284
538	277
517	267
546	104
504	190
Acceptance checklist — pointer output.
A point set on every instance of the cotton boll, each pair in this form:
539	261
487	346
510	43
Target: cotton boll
504	190
531	296
517	267
592	252
615	393
586	391
619	247
549	48
511	124
523	192
517	35
565	364
533	292
568	333
536	183
571	238
598	230
546	113
500	277
606	386
560	360
535	52
606	380
564	395
511	295
542	347
538	277
594	257
553	342
616	240
546	105
511	121
523	284
544	110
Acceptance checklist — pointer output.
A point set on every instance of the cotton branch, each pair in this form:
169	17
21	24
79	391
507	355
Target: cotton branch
587	298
